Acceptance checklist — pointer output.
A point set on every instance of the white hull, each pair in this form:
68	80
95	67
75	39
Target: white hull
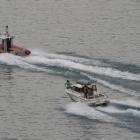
97	101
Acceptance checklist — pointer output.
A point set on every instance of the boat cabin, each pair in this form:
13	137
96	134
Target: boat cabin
6	41
78	88
86	88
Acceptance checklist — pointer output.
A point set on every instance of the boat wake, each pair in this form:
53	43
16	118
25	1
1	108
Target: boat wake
128	112
75	63
127	107
17	61
65	64
110	113
83	110
127	103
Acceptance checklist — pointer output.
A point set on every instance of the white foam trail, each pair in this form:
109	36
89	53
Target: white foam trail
112	86
117	87
14	60
110	109
76	59
114	110
66	57
81	109
133	112
75	63
87	68
127	102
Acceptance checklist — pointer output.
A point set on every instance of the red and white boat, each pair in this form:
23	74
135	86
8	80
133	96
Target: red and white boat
7	46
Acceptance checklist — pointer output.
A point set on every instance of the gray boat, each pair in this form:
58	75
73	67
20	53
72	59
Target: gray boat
86	92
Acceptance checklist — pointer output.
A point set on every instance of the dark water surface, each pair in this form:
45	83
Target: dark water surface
75	39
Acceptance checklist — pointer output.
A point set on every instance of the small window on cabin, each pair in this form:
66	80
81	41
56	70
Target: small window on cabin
77	89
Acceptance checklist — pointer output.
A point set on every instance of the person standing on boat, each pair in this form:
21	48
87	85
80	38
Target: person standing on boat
86	91
8	40
68	84
9	44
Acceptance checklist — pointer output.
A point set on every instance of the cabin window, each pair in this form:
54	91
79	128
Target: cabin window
77	89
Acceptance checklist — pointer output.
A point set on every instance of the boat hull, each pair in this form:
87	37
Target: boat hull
17	51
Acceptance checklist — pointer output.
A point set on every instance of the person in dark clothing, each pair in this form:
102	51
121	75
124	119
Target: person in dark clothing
68	84
8	44
86	91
